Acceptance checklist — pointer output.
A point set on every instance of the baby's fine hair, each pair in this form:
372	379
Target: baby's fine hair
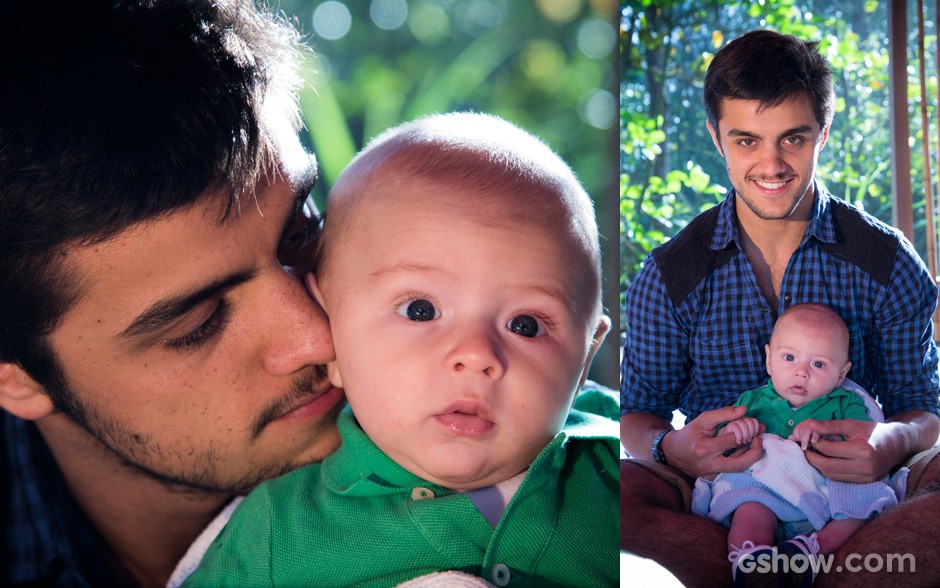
817	315
517	176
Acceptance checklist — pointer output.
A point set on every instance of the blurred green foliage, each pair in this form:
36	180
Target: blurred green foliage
669	168
547	65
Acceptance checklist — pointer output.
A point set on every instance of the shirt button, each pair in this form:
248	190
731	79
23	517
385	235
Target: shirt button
421	494
786	298
790	422
500	574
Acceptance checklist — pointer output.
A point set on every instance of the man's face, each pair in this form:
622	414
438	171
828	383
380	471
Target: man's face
460	344
770	153
191	352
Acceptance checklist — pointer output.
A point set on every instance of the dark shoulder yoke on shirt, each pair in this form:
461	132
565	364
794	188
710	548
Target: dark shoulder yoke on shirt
685	260
868	246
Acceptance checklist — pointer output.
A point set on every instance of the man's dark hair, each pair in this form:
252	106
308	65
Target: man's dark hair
770	68
113	112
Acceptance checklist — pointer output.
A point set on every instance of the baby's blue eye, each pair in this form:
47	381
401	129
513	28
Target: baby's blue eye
419	310
819	364
788	357
524	325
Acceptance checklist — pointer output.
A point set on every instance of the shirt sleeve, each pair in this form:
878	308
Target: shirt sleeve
854	408
655	365
902	348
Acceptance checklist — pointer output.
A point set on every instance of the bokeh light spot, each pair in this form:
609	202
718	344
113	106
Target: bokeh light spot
429	23
597	38
332	20
559	11
543	63
388	14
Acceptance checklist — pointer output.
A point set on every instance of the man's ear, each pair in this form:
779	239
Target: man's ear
600	331
21	395
824	136
714	134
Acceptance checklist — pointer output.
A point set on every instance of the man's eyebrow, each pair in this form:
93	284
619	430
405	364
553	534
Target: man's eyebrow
794	131
163	312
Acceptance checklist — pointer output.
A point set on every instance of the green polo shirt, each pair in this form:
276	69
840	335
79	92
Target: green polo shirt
360	519
776	414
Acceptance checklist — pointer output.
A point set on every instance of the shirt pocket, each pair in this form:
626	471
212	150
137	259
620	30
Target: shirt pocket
725	369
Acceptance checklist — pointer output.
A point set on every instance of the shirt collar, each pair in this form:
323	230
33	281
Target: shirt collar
51	536
820	225
835	393
360	468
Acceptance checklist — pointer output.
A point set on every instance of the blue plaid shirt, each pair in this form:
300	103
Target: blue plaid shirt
700	352
47	539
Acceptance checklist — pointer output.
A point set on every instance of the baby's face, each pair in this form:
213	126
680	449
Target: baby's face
460	345
805	362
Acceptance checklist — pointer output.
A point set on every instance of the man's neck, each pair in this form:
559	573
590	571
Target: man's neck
769	244
147	525
775	238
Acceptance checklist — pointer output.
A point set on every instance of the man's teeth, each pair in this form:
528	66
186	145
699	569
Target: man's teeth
770	185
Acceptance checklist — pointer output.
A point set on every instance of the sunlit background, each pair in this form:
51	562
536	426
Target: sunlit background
550	66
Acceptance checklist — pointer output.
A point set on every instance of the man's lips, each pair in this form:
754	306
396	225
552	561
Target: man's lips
466	420
774	185
300	406
318	403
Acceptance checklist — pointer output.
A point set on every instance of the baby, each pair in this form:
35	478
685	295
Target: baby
459	267
807	360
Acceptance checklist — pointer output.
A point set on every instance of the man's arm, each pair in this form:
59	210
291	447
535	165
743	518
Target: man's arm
902	355
694	449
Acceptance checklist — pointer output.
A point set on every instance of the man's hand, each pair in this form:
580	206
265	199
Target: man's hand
695	450
804	434
864	456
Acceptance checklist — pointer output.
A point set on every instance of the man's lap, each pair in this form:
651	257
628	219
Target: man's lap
924	474
673	478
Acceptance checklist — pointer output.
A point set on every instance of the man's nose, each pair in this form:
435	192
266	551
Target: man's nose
295	332
476	350
772	159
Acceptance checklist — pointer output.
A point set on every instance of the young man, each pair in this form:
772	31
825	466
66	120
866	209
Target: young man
158	351
705	303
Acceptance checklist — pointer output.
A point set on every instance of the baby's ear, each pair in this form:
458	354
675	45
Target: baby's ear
845	371
600	331
21	395
313	289
332	370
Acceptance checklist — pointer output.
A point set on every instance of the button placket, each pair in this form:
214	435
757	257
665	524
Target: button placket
420	493
500	575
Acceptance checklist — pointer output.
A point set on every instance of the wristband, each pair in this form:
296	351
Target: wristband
657	447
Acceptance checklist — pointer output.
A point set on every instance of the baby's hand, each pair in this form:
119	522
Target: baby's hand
744	429
804	434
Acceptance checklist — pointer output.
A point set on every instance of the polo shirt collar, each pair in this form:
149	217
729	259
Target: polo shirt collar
360	468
